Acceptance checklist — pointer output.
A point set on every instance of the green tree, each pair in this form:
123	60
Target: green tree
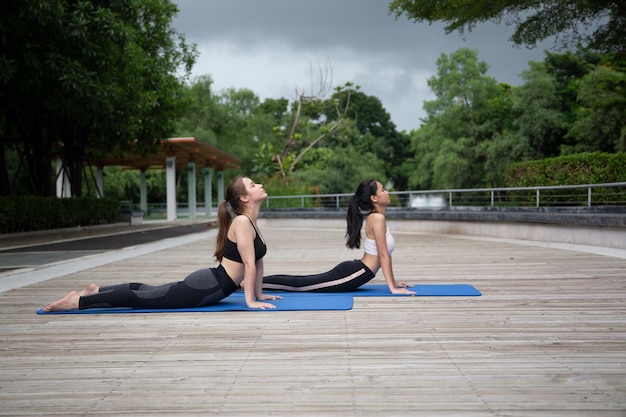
601	119
341	169
205	116
540	119
277	108
310	123
451	146
557	109
86	78
599	25
505	148
378	134
424	144
568	69
233	120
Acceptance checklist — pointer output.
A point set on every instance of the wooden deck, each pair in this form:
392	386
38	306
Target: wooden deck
546	338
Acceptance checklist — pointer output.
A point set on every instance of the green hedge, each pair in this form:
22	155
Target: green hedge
28	213
584	168
578	169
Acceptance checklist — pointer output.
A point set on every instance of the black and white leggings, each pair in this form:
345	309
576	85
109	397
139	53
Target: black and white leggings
198	289
347	276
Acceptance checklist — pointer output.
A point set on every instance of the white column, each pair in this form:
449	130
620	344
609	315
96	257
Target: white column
100	182
170	170
59	176
220	186
143	192
191	189
64	189
208	191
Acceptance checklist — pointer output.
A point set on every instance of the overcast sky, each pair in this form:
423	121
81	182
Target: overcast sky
278	47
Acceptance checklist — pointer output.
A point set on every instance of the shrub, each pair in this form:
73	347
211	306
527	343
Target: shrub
30	213
577	169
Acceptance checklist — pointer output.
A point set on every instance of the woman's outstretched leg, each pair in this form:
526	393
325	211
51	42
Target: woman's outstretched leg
347	276
88	290
69	302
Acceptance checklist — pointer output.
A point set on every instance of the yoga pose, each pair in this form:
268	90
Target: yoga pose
239	251
371	197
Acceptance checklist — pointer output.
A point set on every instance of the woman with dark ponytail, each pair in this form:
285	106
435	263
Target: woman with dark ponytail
239	251
371	198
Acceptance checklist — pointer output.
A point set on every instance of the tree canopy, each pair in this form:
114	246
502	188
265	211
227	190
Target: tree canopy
599	25
93	76
476	127
85	77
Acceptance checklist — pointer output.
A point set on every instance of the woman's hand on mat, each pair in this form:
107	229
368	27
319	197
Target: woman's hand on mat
270	297
258	304
263	306
402	290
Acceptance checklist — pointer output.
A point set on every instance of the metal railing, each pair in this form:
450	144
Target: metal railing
585	195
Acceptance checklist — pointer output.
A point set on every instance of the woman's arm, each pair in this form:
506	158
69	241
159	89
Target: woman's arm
258	289
245	245
379	230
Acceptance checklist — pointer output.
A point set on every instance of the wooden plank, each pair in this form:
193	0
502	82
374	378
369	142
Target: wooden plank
546	338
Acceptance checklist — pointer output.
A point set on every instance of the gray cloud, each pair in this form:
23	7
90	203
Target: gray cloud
270	46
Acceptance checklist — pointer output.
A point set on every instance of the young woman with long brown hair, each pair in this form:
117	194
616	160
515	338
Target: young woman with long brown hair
239	251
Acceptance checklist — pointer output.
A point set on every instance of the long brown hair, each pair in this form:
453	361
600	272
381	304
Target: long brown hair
235	189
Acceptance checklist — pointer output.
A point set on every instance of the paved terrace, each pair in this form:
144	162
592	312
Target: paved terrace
546	338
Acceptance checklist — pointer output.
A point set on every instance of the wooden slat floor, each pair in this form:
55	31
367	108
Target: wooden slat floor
546	338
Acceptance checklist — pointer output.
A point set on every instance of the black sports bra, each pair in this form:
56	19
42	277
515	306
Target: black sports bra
231	252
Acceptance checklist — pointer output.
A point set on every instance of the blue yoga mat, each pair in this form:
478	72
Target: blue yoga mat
309	301
422	290
381	290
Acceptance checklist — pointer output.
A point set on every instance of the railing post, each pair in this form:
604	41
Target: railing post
589	197
537	205
492	194
302	202
450	199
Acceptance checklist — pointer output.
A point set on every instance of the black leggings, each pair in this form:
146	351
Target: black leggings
347	276
200	288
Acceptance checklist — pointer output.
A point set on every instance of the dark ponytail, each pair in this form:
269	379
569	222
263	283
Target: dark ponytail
235	189
359	202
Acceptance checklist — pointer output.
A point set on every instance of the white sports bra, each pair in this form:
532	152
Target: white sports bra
370	244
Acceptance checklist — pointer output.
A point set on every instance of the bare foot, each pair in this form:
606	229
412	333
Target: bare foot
89	289
69	302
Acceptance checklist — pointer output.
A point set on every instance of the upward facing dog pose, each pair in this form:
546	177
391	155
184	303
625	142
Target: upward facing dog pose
349	275
239	250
